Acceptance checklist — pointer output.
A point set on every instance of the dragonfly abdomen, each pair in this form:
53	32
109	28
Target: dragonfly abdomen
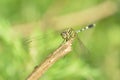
85	28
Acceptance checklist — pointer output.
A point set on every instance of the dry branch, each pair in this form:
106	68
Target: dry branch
51	59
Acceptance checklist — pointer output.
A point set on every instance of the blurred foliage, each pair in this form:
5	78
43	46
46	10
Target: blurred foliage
19	55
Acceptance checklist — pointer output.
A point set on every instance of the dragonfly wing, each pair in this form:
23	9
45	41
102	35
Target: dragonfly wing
85	53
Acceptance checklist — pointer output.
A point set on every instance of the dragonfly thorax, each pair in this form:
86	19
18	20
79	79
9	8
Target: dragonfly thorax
68	34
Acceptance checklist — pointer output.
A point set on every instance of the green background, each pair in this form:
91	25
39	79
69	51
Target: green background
19	54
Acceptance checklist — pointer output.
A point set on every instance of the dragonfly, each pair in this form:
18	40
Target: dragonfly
70	33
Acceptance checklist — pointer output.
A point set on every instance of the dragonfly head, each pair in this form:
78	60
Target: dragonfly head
67	34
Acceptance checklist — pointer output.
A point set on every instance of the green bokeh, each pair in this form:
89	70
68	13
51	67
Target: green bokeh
17	60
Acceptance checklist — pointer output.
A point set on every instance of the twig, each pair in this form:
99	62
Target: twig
51	59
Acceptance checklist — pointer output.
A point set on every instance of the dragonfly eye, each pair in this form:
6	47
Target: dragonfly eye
63	34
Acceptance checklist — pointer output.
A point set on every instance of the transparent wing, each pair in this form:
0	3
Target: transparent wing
28	40
43	42
41	36
85	53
